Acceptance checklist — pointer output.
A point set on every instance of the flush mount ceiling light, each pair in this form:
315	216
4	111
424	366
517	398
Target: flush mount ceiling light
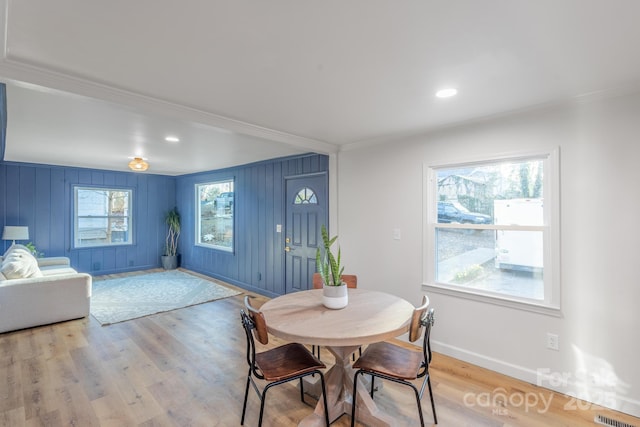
171	138
138	164
446	93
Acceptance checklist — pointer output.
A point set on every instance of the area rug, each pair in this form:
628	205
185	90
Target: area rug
117	300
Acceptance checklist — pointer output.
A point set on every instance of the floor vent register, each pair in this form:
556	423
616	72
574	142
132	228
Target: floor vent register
606	421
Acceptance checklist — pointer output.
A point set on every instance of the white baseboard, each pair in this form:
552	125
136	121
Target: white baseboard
606	397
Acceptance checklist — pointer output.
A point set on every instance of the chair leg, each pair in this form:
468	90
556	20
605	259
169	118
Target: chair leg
324	400
263	399
433	404
315	350
415	390
246	395
427	382
354	398
417	393
301	391
372	386
353	356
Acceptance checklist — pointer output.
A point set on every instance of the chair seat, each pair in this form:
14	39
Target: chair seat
400	364
286	361
391	360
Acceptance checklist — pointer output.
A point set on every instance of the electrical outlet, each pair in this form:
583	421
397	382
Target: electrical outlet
553	341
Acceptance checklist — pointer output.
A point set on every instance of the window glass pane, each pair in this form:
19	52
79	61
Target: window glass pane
216	214
92	231
509	263
471	194
306	196
102	217
491	232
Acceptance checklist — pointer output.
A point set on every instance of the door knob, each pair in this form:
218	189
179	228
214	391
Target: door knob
287	249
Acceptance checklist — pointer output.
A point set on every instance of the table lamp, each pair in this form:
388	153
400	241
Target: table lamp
14	233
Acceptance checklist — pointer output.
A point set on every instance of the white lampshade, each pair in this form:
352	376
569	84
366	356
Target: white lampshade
14	233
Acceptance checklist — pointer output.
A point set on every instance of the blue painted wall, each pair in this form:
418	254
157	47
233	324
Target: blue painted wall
41	197
258	260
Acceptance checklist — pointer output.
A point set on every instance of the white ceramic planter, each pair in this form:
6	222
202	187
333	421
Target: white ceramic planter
335	297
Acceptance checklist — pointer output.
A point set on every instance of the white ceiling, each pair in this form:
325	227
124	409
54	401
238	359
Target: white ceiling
91	83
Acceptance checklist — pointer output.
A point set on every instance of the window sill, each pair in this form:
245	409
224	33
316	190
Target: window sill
112	245
215	247
503	301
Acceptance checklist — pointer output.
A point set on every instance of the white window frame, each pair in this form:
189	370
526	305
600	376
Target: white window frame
77	244
551	235
198	211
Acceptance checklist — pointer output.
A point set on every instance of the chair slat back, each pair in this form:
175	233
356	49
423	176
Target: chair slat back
350	279
317	281
260	331
415	328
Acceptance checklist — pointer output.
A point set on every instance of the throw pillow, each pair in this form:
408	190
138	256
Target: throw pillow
13	247
19	263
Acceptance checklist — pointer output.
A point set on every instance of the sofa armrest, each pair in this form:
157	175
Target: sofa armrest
25	303
56	260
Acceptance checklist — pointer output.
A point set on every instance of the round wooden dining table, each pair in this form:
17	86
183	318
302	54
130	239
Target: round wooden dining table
370	316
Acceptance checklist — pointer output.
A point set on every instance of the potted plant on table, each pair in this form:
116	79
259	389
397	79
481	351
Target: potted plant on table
334	291
170	257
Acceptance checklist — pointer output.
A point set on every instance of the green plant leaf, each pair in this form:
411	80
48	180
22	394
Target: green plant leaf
172	219
328	265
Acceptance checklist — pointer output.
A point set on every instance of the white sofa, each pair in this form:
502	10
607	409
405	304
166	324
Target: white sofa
50	292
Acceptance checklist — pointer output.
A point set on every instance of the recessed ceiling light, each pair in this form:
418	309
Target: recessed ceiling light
446	93
171	138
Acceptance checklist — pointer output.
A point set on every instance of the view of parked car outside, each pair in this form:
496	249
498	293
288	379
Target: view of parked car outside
496	259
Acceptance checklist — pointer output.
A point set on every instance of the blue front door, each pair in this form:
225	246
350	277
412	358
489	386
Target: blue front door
306	211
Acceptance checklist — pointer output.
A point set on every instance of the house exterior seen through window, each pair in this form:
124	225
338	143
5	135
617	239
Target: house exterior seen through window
491	229
215	215
102	217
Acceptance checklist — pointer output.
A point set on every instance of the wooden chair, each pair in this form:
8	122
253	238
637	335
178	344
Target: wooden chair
352	282
350	279
401	365
278	365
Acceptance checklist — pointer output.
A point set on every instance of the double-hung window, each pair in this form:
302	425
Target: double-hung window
492	230
215	206
102	216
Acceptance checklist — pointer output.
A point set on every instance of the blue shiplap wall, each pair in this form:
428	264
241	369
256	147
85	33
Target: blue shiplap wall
258	260
41	197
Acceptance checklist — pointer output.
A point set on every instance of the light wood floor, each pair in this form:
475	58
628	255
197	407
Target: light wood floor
187	368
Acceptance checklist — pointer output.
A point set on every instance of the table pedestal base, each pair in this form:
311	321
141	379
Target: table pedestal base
339	384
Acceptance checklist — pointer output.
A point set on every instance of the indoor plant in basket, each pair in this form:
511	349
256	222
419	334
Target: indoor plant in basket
334	290
170	257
